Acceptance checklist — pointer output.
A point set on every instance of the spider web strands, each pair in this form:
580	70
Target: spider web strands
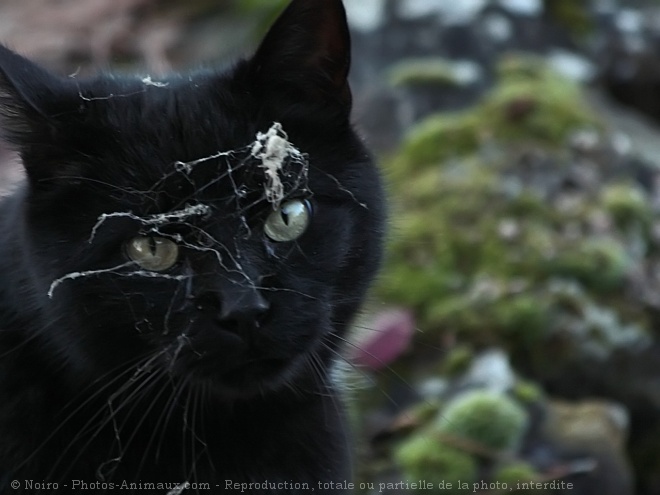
271	152
285	168
116	270
156	219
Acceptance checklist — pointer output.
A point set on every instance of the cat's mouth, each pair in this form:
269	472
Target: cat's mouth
253	377
233	368
254	371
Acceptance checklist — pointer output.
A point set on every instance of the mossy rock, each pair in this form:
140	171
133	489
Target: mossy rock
424	457
459	226
430	71
529	104
600	264
442	137
489	220
627	204
489	420
572	14
457	361
527	392
515	475
521	318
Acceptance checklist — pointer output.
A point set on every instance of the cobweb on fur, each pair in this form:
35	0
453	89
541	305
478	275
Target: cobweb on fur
281	170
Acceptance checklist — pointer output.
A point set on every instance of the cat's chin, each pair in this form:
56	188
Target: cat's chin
252	378
255	377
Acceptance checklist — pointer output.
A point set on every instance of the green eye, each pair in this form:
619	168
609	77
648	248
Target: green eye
288	222
152	253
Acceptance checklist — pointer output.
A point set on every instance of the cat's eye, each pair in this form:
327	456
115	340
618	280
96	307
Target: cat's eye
289	221
153	253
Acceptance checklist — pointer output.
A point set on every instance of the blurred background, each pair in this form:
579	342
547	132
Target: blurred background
514	335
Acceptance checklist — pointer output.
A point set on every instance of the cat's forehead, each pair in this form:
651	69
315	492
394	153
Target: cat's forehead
166	135
196	138
260	172
181	115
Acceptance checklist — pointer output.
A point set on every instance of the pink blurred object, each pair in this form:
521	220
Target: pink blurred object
385	339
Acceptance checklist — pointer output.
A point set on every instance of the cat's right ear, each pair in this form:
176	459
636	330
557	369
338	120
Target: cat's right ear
30	98
305	57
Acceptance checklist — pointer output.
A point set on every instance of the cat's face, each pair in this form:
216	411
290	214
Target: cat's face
220	226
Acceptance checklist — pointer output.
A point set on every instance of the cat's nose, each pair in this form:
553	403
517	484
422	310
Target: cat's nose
245	306
235	305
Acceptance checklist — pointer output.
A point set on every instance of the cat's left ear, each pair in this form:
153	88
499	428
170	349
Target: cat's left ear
306	55
24	87
30	100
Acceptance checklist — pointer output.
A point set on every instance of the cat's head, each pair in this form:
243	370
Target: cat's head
222	226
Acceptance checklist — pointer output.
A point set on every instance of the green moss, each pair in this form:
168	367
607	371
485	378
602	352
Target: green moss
424	457
527	204
515	475
481	234
491	420
527	392
425	72
442	137
458	360
626	203
425	411
572	14
600	264
523	314
541	109
530	104
488	318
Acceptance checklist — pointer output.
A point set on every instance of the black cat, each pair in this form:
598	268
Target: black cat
179	269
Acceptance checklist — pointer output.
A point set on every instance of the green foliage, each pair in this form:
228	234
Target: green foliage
485	319
527	392
424	72
530	104
600	264
457	361
572	14
481	238
491	420
515	474
627	204
443	136
424	457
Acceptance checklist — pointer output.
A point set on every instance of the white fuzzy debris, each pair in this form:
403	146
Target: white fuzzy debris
149	82
272	148
153	220
113	270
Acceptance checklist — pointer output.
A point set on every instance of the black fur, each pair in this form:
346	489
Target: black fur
219	370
